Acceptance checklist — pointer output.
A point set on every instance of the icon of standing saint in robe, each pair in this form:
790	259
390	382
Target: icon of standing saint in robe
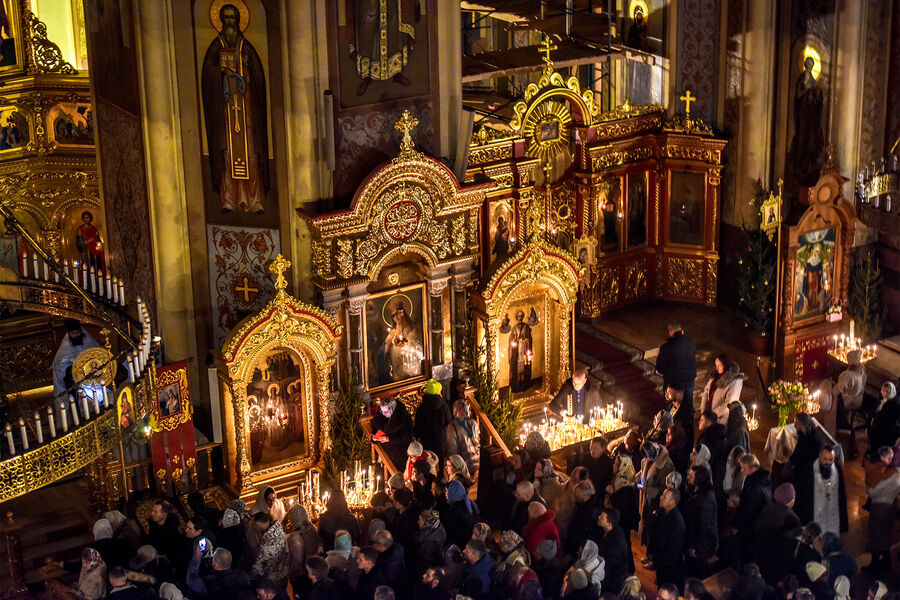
234	103
403	344
383	36
520	353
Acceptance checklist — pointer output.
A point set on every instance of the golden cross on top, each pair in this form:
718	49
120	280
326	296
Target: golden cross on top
546	47
687	99
279	266
406	124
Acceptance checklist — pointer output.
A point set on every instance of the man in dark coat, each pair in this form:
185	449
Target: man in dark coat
599	466
775	531
667	539
524	495
682	409
370	577
432	418
584	516
391	563
756	493
614	548
162	530
815	493
392	428
577	396
677	362
700	519
476	583
714	436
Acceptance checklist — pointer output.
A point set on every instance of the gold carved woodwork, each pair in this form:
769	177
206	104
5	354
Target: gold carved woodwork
609	286
685	277
635	279
488	154
660	275
607	159
692	152
712	278
41	54
285	323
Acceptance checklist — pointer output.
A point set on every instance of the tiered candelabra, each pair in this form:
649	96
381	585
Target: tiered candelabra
572	429
845	344
310	495
752	421
360	485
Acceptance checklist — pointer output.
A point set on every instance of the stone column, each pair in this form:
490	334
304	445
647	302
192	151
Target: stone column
438	281
356	347
463	274
169	218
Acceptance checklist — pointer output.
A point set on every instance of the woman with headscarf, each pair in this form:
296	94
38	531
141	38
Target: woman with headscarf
91	584
392	429
623	494
547	483
655	468
841	588
512	553
462	437
428	542
738	431
414	453
723	388
593	565
458	521
734	479
303	540
700	458
885	427
267	501
232	536
631	590
883	487
661	423
124	528
456	469
115	552
341	560
809	443
337	516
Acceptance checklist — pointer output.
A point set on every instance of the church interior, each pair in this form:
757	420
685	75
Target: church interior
240	236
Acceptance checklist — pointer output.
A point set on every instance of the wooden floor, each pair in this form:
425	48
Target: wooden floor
715	331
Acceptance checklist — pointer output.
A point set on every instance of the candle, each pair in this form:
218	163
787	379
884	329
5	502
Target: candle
97	401
9	439
74	409
115	290
23	433
105	398
84	405
51	421
94	287
852	328
24	268
63	417
34	258
121	292
56	274
37	427
130	366
46	271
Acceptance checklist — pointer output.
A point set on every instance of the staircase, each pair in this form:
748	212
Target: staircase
621	373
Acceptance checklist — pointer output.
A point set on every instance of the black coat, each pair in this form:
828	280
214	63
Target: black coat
756	493
584	516
600	471
392	565
228	585
324	590
806	451
432	418
165	538
616	551
700	519
715	438
885	428
399	429
684	416
667	545
805	505
591	399
367	583
677	361
776	528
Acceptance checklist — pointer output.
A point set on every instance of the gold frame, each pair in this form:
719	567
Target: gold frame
16	25
541	298
310	333
666	210
626	207
426	338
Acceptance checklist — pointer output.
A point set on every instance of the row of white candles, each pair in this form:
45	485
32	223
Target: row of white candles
90	280
137	359
86	407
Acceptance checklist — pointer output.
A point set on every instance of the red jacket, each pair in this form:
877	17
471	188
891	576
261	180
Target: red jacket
540	529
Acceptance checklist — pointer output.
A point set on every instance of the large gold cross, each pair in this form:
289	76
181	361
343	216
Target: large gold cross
546	47
687	99
406	124
246	290
279	266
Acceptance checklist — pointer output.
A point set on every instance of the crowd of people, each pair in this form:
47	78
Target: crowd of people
687	498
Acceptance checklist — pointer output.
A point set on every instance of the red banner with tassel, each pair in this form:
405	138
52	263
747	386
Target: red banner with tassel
172	444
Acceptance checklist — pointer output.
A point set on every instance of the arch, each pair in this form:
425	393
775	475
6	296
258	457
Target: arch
414	247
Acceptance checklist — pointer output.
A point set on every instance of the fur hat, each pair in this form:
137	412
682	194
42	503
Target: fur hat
414	450
784	494
814	570
578	579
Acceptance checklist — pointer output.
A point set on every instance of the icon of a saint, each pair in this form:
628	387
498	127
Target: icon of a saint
520	354
89	243
382	36
402	345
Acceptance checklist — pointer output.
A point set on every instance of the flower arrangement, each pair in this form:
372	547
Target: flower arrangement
835	312
788	396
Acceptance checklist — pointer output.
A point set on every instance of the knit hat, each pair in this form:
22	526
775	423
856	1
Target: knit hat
854	357
298	515
115	518
814	570
784	494
145	555
342	541
168	591
536	445
510	540
102	530
842	588
414	450
396	481
433	387
230	518
578	579
376	526
547	549
239	506
880	590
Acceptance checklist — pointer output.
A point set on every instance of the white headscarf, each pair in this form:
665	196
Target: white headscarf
842	588
103	530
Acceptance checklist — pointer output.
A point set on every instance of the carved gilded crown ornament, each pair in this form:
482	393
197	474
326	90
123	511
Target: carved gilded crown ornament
687	124
413	204
305	332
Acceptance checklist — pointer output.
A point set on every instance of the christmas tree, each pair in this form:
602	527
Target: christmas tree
866	306
756	274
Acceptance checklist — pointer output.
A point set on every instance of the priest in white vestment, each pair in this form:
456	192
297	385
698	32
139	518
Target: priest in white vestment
77	340
821	493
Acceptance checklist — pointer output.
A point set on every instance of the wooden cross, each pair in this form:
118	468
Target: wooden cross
546	47
246	290
406	124
279	266
687	99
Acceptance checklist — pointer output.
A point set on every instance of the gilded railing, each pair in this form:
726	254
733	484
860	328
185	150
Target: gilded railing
61	457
